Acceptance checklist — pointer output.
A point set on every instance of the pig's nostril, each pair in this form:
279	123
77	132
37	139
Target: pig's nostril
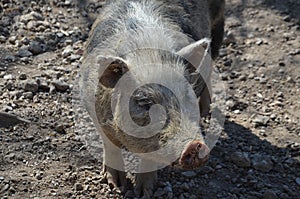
188	159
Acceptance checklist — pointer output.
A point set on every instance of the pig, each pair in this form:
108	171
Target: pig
147	46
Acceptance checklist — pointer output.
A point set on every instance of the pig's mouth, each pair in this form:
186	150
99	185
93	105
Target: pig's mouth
194	155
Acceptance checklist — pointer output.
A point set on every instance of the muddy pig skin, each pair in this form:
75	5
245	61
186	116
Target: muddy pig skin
150	42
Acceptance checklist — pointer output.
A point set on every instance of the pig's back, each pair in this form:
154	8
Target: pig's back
191	16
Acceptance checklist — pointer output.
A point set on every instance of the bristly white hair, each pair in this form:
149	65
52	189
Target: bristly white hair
142	25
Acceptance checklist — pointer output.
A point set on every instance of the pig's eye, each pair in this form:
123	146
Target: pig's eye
142	100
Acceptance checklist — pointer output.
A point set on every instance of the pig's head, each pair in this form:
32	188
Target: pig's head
154	103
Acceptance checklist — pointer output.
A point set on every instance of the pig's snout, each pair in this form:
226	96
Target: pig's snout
194	155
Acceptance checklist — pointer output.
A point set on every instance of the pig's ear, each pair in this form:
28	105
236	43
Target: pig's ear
195	52
114	68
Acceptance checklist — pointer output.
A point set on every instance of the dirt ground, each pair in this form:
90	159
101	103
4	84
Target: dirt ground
257	155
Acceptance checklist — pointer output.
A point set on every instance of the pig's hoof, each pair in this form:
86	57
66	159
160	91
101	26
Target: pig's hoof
115	178
145	184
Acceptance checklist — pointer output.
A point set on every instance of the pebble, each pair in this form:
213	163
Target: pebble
243	78
2	38
159	192
67	51
229	38
30	85
281	71
43	85
260	120
15	94
60	85
230	104
36	48
24	53
185	186
39	175
10	58
31	16
12	40
262	163
241	159
5	188
9	77
263	80
189	174
28	95
269	194
22	76
298	181
74	57
60	128
78	187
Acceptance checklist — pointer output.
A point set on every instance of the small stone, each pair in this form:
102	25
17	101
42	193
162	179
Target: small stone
230	104
5	188
67	51
10	58
269	194
185	186
36	48
290	80
39	175
281	71
24	53
2	38
9	77
74	57
263	80
287	18
189	174
229	38
241	159
243	78
60	85
298	181
67	3
1	178
60	129
284	196
237	111
15	94
260	120
43	86
31	86
12	40
273	116
159	192
59	34
31	16
28	95
262	163
259	42
78	187
22	76
52	88
251	75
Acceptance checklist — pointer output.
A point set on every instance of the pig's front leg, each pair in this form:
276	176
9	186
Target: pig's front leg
145	183
114	166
